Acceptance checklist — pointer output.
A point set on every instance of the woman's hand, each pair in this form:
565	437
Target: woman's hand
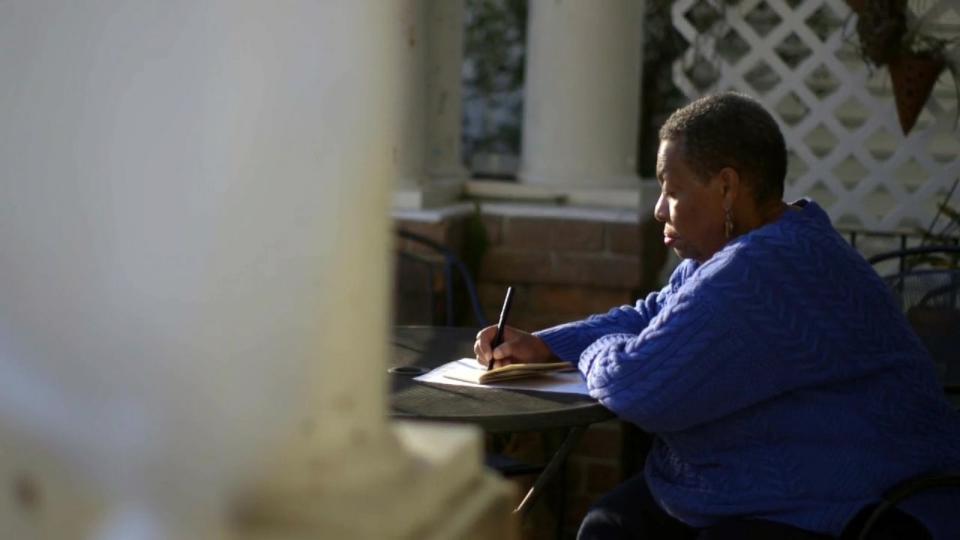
518	347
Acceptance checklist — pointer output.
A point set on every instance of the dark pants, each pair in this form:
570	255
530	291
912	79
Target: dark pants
630	513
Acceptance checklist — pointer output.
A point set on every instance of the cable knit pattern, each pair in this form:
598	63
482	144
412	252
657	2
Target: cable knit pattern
781	379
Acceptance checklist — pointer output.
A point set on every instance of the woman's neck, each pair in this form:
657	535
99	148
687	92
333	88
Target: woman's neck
773	211
759	215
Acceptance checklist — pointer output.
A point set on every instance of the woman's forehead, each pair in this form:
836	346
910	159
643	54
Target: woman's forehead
669	156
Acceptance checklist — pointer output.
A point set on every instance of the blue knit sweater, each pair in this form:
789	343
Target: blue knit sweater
781	380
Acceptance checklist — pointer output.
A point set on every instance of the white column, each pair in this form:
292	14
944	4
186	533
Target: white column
408	153
194	295
582	94
427	153
444	106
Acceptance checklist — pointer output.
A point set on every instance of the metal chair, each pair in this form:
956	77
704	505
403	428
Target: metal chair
421	266
926	282
906	489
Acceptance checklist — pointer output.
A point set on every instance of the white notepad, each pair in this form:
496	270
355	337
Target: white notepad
559	378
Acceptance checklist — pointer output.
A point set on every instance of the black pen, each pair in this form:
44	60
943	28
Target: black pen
498	339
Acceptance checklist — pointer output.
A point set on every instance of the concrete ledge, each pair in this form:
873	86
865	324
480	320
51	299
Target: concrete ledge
435	193
580	213
519	192
433	215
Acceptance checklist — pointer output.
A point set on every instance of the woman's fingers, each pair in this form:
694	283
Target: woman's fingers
517	347
516	351
477	353
481	347
504	351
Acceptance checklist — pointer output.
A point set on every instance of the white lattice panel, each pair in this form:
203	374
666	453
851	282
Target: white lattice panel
839	120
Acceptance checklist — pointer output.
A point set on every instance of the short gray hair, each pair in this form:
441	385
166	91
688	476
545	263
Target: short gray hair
731	130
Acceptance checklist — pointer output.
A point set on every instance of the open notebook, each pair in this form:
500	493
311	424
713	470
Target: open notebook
561	378
510	372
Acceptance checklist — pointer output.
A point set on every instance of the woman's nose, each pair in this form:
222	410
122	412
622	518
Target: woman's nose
660	210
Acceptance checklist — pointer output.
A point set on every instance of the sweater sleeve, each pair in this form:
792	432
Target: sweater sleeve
712	349
668	376
568	341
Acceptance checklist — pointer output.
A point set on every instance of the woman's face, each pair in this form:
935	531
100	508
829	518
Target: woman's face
691	210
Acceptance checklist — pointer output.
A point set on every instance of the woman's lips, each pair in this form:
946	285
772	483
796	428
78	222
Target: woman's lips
669	240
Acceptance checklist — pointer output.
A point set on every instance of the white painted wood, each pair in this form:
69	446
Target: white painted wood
426	155
838	117
195	285
581	94
444	108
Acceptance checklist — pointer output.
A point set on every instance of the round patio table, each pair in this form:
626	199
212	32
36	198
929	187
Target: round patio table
418	349
493	409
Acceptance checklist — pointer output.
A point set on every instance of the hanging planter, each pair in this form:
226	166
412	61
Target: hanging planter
913	76
915	61
881	27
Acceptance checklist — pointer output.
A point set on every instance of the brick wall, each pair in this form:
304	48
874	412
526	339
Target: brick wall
561	269
418	274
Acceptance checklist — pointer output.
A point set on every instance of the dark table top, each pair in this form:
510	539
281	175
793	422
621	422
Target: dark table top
493	409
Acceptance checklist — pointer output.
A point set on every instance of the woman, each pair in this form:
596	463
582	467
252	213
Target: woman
785	388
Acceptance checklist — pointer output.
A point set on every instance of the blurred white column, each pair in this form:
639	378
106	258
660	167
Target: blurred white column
444	104
194	278
582	94
427	154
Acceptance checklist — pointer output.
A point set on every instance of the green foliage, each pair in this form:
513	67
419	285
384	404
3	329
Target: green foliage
495	41
660	96
494	59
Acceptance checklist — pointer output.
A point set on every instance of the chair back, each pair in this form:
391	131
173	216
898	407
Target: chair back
873	528
431	282
926	282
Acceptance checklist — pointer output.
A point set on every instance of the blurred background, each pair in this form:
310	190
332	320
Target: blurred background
214	215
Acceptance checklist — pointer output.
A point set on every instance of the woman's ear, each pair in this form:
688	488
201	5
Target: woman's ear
730	186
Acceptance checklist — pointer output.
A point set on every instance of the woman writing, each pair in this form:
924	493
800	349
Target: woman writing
786	390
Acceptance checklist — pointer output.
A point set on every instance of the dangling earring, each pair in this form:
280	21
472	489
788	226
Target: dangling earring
728	224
